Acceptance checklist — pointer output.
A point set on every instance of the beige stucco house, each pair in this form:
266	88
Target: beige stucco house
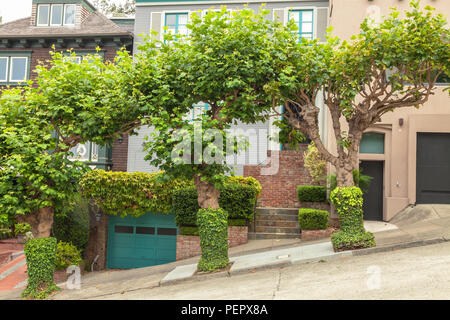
408	152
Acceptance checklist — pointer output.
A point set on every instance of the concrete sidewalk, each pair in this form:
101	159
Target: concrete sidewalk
407	230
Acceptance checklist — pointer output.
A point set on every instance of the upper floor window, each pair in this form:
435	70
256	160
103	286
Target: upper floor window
176	23
304	22
55	14
13	69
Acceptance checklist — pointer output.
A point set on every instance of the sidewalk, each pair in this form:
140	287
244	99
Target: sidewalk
408	231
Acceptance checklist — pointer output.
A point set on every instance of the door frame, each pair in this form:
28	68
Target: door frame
385	157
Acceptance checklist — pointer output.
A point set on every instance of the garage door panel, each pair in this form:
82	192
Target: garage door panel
433	168
144	246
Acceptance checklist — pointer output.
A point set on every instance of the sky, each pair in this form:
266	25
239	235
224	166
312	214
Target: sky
15	9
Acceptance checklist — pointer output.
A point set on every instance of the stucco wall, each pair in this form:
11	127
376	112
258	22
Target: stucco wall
400	140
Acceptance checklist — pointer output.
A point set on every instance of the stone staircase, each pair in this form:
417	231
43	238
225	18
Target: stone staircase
274	223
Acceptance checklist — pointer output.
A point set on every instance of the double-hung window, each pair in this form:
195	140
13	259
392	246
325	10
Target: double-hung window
55	15
13	68
304	21
176	23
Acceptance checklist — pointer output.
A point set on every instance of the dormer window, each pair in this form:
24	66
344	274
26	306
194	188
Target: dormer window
55	15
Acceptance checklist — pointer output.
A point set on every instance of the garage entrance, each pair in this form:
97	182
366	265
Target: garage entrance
141	242
433	168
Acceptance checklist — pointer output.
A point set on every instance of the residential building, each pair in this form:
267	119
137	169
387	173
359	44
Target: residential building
65	24
408	152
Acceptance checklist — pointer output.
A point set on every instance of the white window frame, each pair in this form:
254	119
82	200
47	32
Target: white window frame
11	69
51	14
64	15
38	13
7	69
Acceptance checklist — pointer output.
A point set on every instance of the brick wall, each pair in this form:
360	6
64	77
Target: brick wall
280	190
120	154
189	246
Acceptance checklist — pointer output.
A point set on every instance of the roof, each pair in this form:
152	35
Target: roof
95	24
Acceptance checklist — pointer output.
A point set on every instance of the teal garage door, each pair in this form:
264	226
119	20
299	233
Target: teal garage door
141	242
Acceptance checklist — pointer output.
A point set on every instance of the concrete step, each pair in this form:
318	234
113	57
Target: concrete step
276	223
277	211
278	217
261	235
277	230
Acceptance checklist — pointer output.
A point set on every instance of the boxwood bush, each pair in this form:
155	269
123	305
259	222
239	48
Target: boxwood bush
352	235
312	219
237	197
40	256
213	230
312	193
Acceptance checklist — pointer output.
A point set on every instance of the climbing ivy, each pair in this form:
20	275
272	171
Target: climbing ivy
130	193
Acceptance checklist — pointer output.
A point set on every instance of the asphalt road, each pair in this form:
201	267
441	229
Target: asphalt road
415	273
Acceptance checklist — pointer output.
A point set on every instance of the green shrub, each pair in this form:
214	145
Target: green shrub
312	193
359	179
185	206
352	235
40	255
66	255
130	193
21	228
237	222
213	230
71	224
312	219
349	241
189	231
237	196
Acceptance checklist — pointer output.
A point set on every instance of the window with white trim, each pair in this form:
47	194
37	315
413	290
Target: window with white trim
304	20
13	68
55	15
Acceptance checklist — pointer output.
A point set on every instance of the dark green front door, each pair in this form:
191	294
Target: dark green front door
141	242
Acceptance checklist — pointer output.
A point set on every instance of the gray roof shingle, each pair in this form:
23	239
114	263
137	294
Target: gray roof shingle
96	24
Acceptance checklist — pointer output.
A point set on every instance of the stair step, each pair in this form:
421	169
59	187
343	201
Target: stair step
277	211
278	217
276	223
277	230
262	235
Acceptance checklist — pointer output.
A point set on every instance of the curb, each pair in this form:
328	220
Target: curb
286	263
399	246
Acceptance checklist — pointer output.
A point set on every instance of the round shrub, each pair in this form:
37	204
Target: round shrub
213	230
312	193
40	255
66	255
312	219
348	202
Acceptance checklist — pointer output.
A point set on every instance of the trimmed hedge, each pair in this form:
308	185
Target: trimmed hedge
213	230
40	255
312	193
237	197
130	193
312	219
352	235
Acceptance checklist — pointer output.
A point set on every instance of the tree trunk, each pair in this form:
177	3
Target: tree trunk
345	170
41	221
208	194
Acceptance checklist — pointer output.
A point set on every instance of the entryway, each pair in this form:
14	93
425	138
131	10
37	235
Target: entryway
141	242
373	197
433	168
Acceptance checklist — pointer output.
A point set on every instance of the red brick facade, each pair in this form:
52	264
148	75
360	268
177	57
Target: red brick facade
189	246
317	234
280	190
